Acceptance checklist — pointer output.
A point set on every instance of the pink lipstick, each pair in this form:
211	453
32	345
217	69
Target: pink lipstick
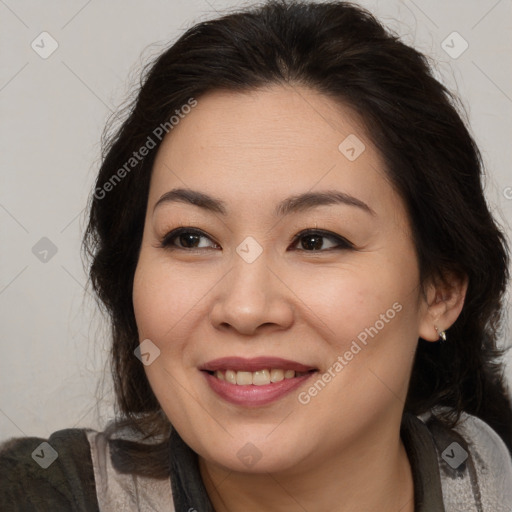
255	382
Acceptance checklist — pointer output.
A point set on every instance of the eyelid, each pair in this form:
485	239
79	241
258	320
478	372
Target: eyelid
165	241
341	241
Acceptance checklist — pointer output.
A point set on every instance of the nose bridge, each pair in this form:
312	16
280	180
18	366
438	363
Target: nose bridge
249	282
251	295
250	288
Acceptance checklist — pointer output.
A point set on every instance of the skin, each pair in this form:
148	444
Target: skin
342	450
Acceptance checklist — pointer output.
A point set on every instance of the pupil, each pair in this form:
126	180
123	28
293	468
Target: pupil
189	239
312	242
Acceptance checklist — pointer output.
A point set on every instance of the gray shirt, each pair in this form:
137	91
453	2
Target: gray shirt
464	469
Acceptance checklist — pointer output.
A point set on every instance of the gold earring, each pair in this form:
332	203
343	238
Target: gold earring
442	334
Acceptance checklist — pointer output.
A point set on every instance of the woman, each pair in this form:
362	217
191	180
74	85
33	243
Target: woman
305	285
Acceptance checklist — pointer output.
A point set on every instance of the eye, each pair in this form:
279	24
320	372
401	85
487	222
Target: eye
187	238
312	240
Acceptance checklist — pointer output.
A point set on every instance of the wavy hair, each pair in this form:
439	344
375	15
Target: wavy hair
343	52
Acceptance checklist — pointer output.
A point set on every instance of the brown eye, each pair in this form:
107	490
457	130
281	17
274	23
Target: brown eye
187	238
315	240
312	242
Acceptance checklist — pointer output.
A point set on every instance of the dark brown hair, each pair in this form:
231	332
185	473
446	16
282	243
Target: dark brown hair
343	52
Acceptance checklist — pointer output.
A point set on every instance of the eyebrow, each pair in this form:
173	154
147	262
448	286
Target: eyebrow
292	204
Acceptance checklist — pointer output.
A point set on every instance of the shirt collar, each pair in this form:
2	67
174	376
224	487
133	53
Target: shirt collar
189	492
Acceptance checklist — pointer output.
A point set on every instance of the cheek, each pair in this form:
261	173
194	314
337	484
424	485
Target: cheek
368	319
170	303
167	305
152	305
347	304
163	298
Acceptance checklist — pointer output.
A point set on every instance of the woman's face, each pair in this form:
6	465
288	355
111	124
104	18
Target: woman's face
287	313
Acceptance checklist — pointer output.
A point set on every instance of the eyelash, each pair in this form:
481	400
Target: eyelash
167	242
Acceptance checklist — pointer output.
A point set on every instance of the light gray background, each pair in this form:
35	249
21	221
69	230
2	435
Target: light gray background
52	112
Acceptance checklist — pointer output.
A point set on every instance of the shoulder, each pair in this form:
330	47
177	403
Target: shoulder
82	470
47	474
474	463
120	461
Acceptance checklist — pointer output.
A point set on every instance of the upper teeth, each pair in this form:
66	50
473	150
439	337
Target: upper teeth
259	378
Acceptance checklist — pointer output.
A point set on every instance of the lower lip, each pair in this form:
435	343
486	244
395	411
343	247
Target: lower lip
251	395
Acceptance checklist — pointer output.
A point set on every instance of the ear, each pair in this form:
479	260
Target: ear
442	304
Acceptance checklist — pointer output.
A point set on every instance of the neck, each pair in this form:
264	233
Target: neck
372	474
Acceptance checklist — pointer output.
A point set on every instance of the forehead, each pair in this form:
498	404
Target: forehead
266	143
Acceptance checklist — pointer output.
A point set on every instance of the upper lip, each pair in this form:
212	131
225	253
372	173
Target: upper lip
254	364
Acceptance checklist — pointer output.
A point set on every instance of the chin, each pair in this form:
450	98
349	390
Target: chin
252	460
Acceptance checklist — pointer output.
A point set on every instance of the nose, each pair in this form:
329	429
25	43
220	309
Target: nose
252	298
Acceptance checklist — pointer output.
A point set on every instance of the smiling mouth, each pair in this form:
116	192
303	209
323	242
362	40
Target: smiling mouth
257	378
257	381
